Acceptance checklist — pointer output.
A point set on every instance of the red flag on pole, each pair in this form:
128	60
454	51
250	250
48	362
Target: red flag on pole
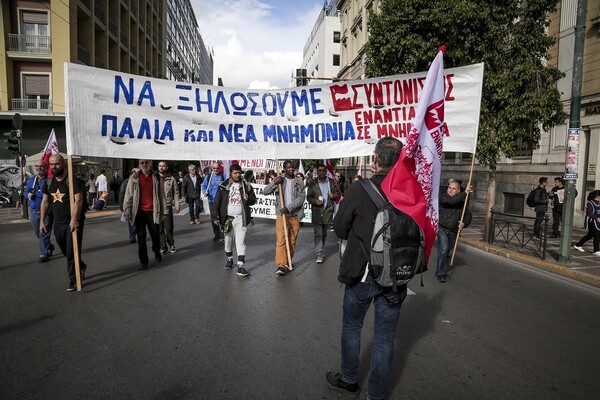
331	175
50	149
412	185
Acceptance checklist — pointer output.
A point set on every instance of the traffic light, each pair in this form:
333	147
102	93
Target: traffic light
301	79
13	142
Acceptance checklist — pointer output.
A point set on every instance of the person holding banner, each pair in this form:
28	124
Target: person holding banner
232	208
35	196
171	191
451	206
190	192
210	185
144	205
56	195
321	195
292	191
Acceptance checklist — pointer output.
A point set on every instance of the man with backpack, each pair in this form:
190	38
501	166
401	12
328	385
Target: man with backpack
354	222
540	199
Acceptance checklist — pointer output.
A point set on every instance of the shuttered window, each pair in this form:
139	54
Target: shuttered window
32	17
36	85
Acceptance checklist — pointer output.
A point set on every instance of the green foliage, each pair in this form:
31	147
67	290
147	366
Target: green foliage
519	96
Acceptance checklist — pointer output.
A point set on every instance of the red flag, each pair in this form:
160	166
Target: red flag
412	185
360	171
331	176
50	149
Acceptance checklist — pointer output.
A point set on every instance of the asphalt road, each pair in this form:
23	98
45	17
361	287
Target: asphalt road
188	329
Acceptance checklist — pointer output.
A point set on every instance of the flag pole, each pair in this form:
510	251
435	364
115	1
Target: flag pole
285	228
73	211
462	216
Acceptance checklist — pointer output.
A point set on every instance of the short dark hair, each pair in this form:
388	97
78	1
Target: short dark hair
560	179
321	166
543	179
235	167
288	162
102	171
387	151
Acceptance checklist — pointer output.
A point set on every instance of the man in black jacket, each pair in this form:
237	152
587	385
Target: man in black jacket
354	222
451	206
231	209
540	198
190	192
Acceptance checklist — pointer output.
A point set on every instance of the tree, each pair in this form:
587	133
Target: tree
519	98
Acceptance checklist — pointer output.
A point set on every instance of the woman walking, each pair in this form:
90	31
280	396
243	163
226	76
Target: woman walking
592	222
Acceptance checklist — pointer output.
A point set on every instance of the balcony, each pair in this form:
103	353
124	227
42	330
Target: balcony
29	43
31	104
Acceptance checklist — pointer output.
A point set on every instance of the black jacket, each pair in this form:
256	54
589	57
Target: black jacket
540	198
450	211
219	206
354	222
188	189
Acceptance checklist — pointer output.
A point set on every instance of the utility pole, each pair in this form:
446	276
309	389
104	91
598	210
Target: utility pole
572	162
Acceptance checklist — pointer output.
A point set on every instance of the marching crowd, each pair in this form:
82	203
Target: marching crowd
149	199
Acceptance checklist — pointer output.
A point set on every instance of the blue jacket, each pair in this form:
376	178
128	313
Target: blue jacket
215	181
36	184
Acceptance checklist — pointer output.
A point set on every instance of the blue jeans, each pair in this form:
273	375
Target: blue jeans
194	206
537	225
43	238
445	245
357	300
131	230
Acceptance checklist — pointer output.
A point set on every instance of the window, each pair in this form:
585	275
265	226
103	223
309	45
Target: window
336	60
34	25
514	203
36	89
336	37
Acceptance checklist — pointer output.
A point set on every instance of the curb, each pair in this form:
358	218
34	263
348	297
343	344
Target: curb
534	262
88	215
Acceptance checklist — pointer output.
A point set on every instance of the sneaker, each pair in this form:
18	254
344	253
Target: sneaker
192	222
44	259
241	271
596	253
441	279
229	264
335	379
172	249
197	221
580	248
319	259
163	251
71	287
281	271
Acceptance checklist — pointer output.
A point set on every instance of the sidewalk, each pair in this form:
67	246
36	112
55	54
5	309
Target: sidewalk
583	267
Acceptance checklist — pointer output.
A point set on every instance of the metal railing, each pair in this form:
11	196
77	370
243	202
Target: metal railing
29	43
517	230
31	104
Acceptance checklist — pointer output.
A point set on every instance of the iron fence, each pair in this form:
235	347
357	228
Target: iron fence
517	230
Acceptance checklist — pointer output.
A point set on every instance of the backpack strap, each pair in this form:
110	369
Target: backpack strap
376	196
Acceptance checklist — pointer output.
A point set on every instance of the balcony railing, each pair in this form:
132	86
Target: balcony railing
30	104
29	43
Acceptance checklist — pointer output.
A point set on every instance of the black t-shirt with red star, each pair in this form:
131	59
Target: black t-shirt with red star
58	191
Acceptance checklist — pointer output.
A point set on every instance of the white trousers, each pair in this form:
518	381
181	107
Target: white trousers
237	234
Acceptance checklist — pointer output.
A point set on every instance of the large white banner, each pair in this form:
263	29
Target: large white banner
113	114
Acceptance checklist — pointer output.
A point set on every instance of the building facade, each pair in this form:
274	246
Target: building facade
187	58
155	38
321	54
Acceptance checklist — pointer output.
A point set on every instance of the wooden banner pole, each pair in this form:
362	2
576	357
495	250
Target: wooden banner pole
73	211
462	216
285	227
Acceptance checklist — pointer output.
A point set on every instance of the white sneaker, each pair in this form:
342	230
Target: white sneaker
597	253
319	259
579	248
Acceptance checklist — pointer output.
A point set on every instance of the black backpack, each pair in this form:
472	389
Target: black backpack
397	251
530	199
